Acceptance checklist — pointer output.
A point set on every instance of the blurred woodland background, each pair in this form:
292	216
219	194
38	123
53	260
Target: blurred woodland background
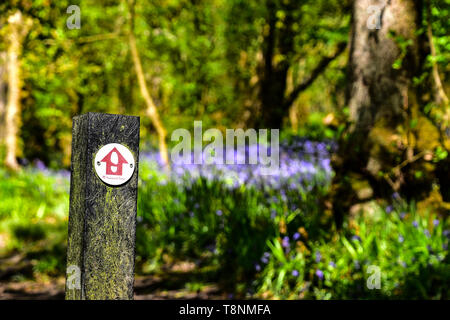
359	91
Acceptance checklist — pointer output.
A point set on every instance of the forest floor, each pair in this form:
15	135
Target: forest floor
179	281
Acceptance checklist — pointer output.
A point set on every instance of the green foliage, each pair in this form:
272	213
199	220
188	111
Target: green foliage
203	60
242	232
33	218
409	249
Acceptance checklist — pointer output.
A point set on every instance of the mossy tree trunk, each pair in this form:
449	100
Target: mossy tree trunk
389	144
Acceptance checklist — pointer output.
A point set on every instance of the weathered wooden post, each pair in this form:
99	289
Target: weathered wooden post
103	202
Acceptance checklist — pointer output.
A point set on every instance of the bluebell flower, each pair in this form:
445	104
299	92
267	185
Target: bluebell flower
389	209
427	233
356	238
219	212
273	214
298	170
285	242
318	256
296	236
295	273
319	274
415	224
40	165
332	264
257	267
402	215
435	222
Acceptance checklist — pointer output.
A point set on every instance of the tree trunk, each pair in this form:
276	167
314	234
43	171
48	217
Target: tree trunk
388	140
2	97
274	75
278	52
18	28
151	111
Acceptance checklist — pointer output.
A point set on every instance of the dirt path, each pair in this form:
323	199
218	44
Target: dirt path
146	288
180	281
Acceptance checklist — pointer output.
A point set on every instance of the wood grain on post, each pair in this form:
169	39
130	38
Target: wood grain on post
102	216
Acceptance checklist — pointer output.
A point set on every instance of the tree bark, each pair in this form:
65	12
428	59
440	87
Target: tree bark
18	28
388	139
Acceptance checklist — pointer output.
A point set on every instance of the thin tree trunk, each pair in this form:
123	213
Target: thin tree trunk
18	28
2	96
151	111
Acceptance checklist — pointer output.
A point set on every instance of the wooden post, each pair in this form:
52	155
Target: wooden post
103	202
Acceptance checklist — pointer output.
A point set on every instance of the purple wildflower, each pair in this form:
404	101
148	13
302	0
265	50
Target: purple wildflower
257	267
318	256
332	264
401	239
285	242
415	224
435	222
273	214
295	273
219	212
319	274
389	209
427	233
296	236
40	165
356	238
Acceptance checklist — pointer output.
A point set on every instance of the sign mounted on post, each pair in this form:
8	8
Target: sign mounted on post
114	164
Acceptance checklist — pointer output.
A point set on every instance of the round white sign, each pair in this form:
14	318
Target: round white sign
114	164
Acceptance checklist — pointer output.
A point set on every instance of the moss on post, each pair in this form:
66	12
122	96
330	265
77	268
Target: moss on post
102	218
